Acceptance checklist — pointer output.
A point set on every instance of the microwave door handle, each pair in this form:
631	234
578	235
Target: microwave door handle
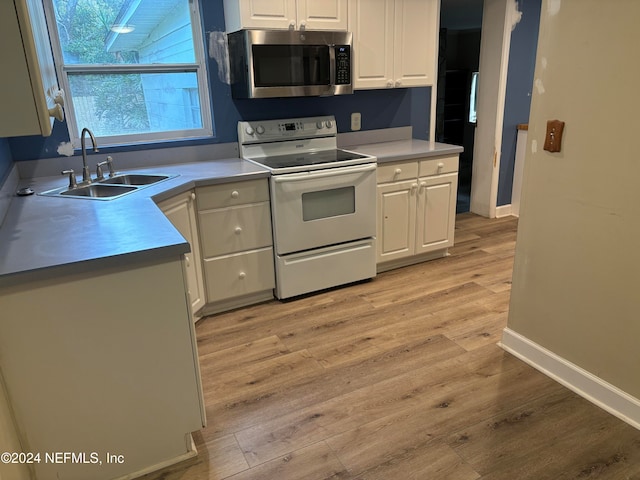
331	88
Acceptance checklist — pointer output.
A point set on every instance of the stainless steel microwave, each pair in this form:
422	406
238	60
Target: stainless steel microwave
290	63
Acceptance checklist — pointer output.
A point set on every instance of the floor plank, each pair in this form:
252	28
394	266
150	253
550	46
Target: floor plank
396	378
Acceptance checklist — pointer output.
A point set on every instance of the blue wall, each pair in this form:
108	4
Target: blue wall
379	108
6	160
522	59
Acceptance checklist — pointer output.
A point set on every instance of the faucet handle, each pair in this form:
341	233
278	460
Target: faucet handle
73	183
109	161
100	173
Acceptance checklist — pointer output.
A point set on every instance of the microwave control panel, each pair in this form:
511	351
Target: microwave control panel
343	64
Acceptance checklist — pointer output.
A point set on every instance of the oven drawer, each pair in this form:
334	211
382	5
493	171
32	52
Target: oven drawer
234	229
234	193
327	267
397	171
437	166
239	274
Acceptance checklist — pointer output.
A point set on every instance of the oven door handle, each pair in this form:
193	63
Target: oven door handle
332	172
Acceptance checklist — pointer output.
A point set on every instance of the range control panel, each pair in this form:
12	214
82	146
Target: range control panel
262	131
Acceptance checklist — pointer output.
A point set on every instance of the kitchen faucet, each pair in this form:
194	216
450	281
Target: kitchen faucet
86	175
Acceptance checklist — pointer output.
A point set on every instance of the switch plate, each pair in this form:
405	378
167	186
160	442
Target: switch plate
356	121
553	138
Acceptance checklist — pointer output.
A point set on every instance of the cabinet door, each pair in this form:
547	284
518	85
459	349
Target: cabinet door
371	22
415	39
266	13
322	15
31	88
396	224
181	212
436	212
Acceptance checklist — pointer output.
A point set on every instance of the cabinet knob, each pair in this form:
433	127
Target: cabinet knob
238	230
397	171
414	187
440	166
187	260
292	25
235	194
242	275
57	112
423	185
193	196
398	83
390	84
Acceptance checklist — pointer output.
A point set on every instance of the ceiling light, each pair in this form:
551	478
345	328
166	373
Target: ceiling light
122	28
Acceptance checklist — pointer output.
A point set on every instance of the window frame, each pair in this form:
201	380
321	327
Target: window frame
199	67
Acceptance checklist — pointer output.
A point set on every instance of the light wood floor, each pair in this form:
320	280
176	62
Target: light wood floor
396	378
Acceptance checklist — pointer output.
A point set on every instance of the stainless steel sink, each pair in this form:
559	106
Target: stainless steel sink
137	179
110	188
96	190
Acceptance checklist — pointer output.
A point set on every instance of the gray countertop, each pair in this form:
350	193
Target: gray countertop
405	150
44	235
41	233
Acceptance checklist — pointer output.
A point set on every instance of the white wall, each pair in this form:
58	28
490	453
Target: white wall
577	265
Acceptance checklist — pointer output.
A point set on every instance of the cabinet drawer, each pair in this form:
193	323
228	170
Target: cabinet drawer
393	172
239	274
234	229
230	194
438	165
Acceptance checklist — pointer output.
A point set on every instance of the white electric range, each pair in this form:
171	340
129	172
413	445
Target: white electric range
323	203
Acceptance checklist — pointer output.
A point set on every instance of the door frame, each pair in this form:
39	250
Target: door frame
498	19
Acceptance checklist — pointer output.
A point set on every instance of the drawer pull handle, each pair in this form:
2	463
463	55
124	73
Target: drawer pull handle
235	194
242	275
238	230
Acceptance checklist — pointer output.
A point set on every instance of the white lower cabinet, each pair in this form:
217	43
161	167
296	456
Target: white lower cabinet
181	212
105	361
236	241
416	210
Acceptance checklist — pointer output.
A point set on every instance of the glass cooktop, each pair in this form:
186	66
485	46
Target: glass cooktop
303	159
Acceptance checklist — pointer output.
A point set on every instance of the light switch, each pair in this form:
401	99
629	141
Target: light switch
553	139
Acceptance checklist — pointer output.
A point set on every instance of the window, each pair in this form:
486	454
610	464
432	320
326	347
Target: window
133	70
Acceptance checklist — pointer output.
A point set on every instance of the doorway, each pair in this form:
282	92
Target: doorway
459	58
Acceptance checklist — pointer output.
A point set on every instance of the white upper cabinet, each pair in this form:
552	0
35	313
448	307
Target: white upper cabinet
31	97
394	42
286	14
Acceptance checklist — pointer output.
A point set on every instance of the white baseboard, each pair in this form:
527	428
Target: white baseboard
503	211
585	384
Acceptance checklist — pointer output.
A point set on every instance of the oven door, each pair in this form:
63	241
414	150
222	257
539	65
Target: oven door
323	207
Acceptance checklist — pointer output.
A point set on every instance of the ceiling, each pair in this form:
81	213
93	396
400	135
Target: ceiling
461	14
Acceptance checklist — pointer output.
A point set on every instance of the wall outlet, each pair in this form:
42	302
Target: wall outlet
356	121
